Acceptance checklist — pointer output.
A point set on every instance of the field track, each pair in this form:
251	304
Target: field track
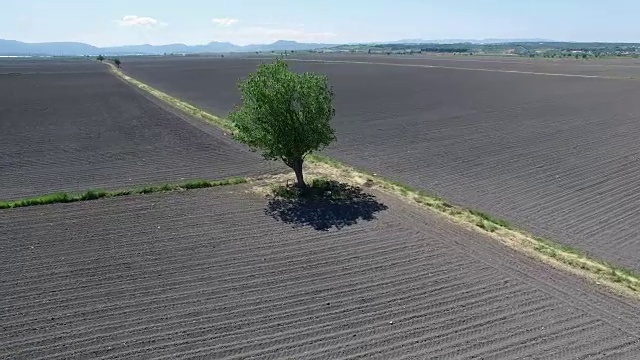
555	155
205	273
71	126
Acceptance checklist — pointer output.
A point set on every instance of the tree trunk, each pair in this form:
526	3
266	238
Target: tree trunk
297	168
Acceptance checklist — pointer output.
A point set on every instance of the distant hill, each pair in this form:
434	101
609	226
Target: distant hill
467	41
12	47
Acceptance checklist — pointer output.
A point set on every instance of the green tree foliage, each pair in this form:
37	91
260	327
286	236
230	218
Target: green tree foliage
100	58
284	114
117	62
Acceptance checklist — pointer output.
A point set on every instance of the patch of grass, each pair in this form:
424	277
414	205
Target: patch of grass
617	278
147	190
319	188
621	272
575	258
489	218
39	200
92	195
197	184
286	192
446	205
560	247
62	197
323	159
487	225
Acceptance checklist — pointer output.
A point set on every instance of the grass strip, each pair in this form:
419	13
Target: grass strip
63	197
613	276
544	249
178	104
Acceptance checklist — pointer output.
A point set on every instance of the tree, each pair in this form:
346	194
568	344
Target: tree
284	114
117	62
100	58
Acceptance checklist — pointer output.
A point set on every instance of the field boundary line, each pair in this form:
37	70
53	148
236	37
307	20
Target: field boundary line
564	257
463	69
573	260
178	104
94	194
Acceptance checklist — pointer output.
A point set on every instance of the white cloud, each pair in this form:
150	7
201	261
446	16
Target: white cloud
140	21
224	21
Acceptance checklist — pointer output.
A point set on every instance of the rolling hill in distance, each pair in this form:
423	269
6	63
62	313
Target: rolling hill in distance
13	47
520	46
18	48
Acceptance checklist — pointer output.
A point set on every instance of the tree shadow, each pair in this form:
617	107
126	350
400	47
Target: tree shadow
325	205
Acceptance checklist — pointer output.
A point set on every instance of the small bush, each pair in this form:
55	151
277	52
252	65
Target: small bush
93	194
167	187
147	190
196	184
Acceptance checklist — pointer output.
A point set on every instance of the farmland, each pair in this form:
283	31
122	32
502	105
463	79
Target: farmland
226	272
206	273
70	126
556	155
609	68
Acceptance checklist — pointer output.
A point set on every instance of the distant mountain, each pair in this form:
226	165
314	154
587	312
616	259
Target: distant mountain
212	47
12	47
465	41
282	45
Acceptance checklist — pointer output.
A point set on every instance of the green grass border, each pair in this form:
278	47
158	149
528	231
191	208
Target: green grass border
178	104
614	276
546	248
63	197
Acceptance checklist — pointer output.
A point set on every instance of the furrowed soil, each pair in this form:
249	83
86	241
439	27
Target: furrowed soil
207	274
556	155
72	126
614	68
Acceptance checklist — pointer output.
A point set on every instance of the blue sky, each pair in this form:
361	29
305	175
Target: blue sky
119	22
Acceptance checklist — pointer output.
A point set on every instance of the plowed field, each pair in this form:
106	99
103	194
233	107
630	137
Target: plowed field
206	273
556	155
613	68
71	126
